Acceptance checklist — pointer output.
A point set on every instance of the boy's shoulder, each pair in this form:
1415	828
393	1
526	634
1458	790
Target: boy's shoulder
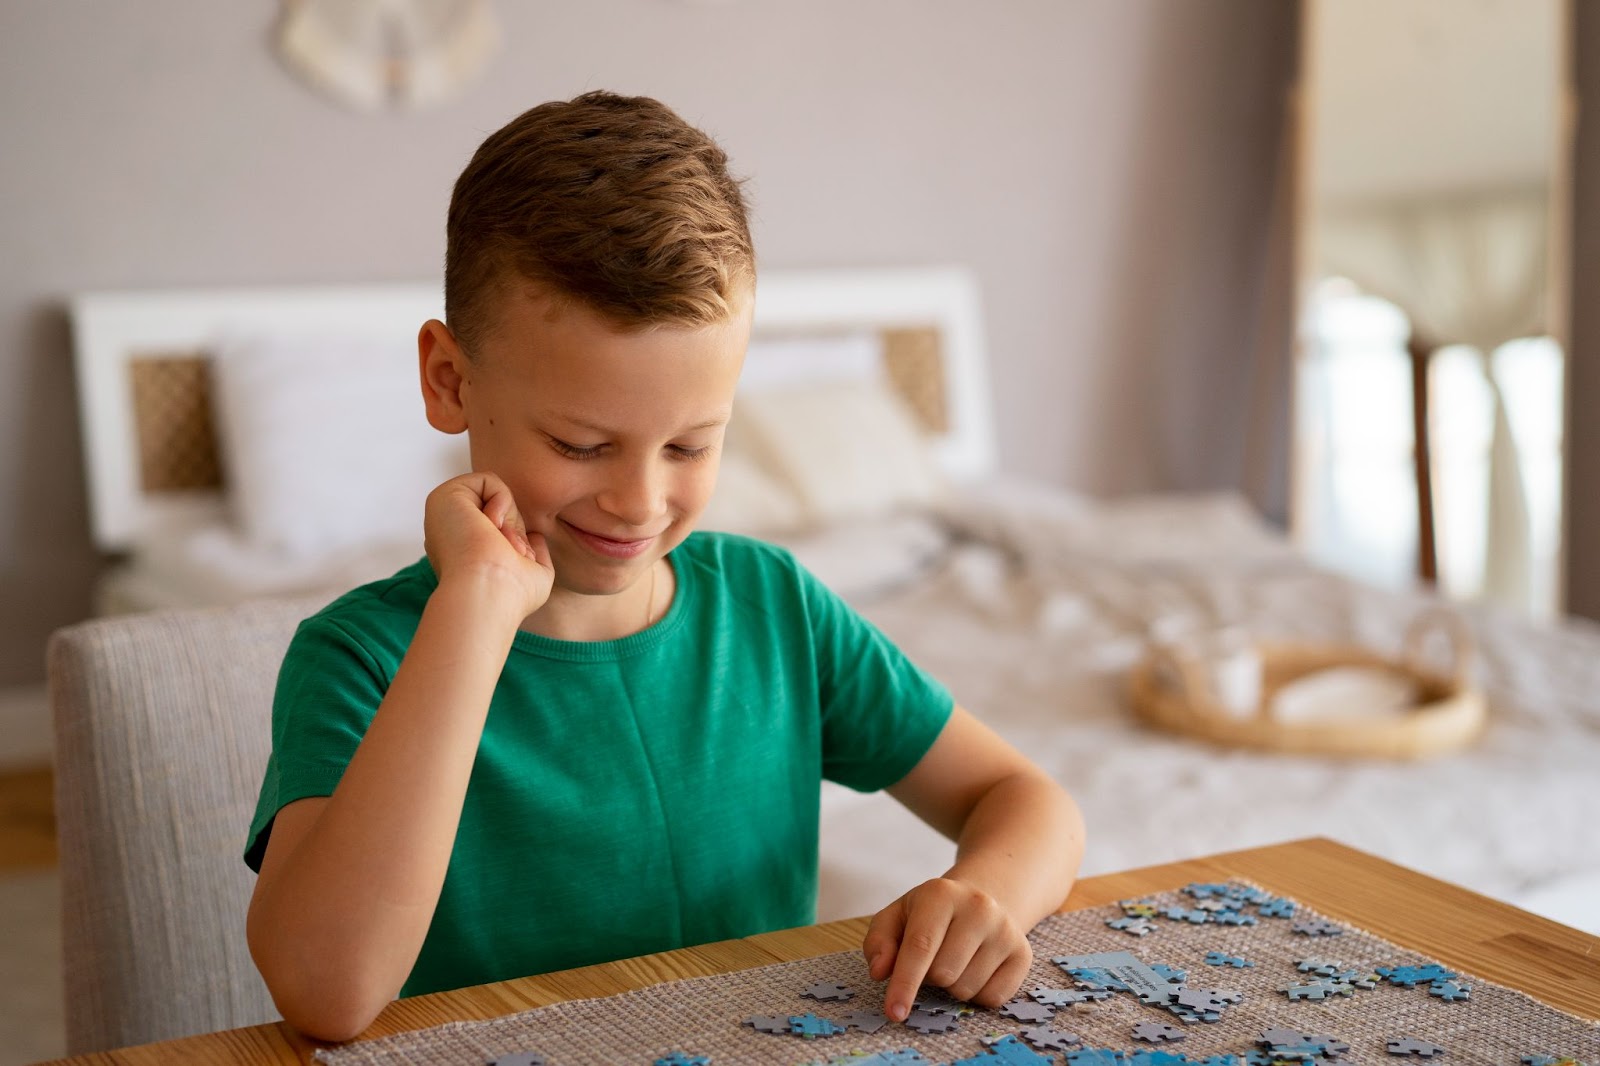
735	556
394	600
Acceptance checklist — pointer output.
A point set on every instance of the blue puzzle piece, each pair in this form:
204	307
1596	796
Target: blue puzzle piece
1234	918
679	1058
1219	958
1216	1060
1207	891
1276	908
1450	991
1095	1056
1097	979
1008	1050
1154	1058
1179	914
1171	973
810	1026
1406	976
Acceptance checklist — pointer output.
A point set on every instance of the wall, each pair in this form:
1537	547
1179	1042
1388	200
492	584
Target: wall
1582	504
1107	166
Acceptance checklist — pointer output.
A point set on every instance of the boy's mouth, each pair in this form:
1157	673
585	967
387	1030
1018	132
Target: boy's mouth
608	546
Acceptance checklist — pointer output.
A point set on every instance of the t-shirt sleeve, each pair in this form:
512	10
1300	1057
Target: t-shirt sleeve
328	690
881	712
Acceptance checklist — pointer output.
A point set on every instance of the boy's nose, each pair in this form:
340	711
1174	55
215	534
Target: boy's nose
636	498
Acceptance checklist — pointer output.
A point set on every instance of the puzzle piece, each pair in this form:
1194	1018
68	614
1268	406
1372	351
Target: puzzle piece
828	991
1450	991
1317	990
1275	1037
867	1021
1194	917
679	1058
1154	1057
1049	1038
1205	1001
519	1058
1158	1032
929	1022
1066	997
1216	1060
1132	926
1188	1015
1316	927
1095	1056
904	1057
810	1026
1406	976
1200	890
1276	908
1026	1010
937	1001
1096	979
1218	958
1550	1060
1412	1046
1007	1050
1234	918
1171	973
766	1023
1329	1047
1139	908
1320	967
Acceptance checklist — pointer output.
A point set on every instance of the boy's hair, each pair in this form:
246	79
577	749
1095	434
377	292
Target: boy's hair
613	201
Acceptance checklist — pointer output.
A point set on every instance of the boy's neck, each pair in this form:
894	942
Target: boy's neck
578	617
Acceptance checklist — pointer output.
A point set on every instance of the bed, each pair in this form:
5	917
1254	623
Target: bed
230	439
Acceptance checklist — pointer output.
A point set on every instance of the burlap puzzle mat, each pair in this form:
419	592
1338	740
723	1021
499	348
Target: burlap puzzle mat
703	1016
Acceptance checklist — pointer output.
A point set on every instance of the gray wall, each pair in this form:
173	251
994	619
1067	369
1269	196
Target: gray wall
1107	166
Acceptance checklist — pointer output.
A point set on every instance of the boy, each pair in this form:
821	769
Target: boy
577	731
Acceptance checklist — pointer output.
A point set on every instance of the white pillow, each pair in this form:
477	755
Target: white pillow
849	449
749	500
324	441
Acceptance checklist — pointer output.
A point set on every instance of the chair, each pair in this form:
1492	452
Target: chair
163	726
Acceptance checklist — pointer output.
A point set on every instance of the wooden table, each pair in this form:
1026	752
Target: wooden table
1558	965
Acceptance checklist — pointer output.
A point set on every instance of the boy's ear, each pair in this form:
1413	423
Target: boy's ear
443	368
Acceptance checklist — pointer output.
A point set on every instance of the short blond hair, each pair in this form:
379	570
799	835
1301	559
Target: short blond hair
613	201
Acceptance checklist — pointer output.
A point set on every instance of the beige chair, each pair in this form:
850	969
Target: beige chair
163	725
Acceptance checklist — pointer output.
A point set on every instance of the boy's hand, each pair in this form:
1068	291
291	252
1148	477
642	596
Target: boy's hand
950	934
472	530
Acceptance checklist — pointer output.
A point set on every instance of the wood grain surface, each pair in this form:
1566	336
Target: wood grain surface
1549	961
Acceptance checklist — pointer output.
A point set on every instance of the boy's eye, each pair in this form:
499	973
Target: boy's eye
574	451
691	454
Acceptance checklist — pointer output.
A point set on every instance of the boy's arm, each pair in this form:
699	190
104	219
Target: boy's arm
349	882
1019	840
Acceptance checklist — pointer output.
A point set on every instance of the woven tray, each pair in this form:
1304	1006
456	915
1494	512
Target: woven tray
702	1016
1173	694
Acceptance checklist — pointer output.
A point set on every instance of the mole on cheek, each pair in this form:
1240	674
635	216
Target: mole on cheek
491	421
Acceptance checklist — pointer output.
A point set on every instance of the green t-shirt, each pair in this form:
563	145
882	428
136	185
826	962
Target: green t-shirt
629	796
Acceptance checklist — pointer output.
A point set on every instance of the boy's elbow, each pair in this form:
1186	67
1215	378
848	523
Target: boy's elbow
326	1016
319	1002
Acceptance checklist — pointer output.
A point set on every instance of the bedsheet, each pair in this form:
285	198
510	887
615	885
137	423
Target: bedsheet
1044	602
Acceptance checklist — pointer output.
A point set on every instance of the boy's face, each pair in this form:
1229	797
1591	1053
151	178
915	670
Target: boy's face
609	441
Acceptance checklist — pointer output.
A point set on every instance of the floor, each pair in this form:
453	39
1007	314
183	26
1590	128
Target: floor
32	1021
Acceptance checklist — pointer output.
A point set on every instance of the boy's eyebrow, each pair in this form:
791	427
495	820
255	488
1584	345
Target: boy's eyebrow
595	427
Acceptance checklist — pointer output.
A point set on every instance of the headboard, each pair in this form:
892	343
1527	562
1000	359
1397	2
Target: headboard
142	367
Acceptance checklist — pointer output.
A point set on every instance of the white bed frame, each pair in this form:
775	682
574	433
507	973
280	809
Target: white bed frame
110	329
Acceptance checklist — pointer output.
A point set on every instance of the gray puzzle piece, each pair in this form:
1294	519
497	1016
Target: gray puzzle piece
928	1023
1026	1010
868	1021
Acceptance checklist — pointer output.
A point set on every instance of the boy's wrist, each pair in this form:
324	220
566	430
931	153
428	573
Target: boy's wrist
482	594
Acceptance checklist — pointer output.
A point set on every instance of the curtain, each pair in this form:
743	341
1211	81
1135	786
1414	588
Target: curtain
1469	269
